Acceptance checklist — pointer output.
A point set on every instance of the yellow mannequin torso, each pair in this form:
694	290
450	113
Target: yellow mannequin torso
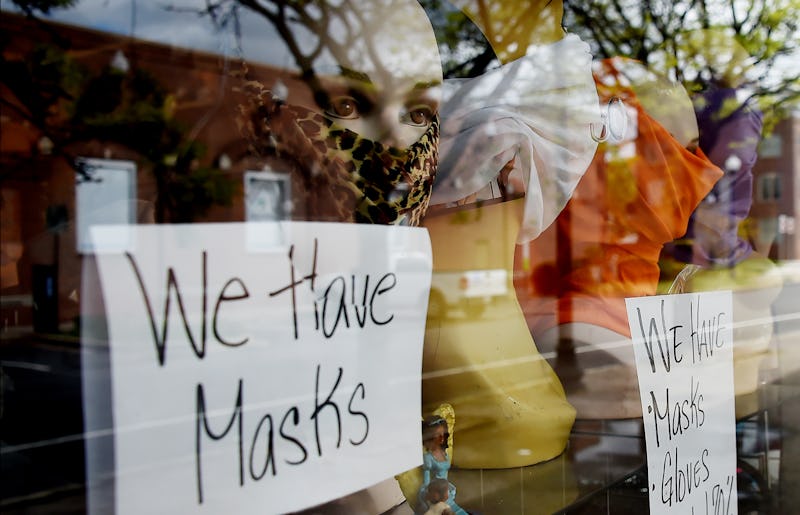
510	405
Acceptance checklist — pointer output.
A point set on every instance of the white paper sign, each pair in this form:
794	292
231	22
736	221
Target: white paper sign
262	380
684	359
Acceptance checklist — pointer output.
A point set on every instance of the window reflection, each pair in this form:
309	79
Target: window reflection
544	213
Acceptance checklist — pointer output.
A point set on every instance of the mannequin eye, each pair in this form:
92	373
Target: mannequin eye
418	116
344	107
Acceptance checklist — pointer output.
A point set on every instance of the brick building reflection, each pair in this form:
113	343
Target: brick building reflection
41	268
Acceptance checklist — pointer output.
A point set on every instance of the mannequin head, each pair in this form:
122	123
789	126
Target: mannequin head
355	121
371	66
383	80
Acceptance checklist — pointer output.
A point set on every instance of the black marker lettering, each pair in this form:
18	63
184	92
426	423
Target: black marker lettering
648	339
293	284
200	417
717	342
341	308
172	284
327	403
224	298
295	420
675	343
658	415
270	454
359	413
362	319
379	291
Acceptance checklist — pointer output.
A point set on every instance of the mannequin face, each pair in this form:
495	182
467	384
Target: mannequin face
381	78
353	116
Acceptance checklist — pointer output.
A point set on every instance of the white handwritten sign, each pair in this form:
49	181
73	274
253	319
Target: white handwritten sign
684	358
262	380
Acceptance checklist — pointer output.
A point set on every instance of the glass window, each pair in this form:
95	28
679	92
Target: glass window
395	257
769	187
771	146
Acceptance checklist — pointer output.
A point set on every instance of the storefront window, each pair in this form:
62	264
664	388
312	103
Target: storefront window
417	256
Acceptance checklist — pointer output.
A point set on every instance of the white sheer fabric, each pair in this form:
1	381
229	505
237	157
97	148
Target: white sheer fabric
535	110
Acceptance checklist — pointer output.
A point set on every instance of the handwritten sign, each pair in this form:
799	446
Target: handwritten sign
266	378
684	358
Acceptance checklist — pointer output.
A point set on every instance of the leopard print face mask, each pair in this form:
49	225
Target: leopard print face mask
338	175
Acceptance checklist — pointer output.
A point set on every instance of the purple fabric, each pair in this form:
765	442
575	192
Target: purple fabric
729	136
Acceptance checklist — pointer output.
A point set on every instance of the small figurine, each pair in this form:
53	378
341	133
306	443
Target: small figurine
427	488
436	438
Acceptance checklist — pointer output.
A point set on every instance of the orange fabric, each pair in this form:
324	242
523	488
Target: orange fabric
605	245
